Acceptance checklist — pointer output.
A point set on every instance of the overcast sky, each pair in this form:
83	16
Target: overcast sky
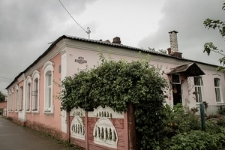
27	26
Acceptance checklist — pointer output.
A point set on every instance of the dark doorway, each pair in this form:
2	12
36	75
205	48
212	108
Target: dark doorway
177	96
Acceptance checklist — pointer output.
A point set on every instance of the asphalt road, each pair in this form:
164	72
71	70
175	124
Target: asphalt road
16	137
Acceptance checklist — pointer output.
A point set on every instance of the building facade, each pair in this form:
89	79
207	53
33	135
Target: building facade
32	95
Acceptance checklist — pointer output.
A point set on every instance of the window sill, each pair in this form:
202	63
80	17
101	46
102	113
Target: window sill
28	111
48	112
35	111
220	103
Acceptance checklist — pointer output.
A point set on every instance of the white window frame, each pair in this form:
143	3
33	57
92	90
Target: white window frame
218	90
20	98
48	100
12	99
35	91
17	98
197	92
28	94
9	101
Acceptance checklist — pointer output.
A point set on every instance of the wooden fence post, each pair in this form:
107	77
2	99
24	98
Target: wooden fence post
68	125
86	130
131	128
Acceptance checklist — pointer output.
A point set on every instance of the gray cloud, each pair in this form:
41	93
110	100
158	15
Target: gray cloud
187	18
28	26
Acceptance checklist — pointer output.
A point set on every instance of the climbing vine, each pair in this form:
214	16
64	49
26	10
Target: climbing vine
115	84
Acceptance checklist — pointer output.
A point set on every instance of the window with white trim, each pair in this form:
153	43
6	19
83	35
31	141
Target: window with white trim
217	89
20	98
48	87
35	92
28	93
198	89
11	102
17	99
12	99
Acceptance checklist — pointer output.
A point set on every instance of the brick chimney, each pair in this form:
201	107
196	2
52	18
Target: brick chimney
173	50
116	40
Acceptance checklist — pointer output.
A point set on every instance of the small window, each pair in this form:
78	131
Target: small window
175	79
217	89
35	91
28	97
21	98
198	89
17	100
48	91
35	94
28	94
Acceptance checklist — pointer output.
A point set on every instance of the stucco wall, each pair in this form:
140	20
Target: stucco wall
3	104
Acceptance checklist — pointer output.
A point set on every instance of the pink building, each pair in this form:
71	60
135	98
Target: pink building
32	96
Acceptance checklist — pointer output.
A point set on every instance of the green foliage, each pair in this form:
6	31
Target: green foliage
178	121
221	121
197	140
210	47
2	97
159	50
116	84
221	110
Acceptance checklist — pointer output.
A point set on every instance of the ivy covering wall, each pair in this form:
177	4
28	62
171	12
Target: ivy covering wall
116	84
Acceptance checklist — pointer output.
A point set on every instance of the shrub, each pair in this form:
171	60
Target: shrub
221	121
197	140
221	110
178	121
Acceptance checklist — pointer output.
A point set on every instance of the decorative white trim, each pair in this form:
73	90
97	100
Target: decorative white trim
12	90
48	68
77	128
36	74
17	87
77	112
105	134
106	112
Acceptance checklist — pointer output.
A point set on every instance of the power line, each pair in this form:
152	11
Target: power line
6	78
73	18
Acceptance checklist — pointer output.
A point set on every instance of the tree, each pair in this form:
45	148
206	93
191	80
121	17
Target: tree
159	50
210	47
2	97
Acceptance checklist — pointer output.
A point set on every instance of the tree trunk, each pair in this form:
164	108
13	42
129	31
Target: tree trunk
131	127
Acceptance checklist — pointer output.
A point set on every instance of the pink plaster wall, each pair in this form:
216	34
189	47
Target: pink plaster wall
51	120
3	104
165	63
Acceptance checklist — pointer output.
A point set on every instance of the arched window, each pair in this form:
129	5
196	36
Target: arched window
28	93
20	98
12	99
35	91
17	98
48	87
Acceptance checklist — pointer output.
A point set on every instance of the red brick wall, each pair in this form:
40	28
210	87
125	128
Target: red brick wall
118	124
